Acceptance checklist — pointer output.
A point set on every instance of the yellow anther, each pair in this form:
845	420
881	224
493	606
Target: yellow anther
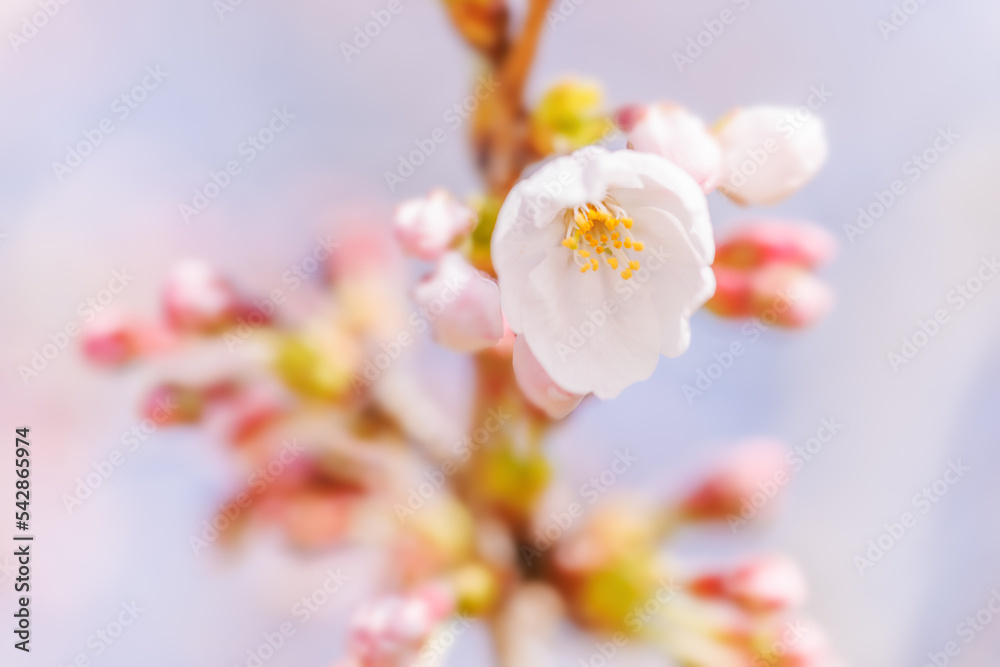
594	226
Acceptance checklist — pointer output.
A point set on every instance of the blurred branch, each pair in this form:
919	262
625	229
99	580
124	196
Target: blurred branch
526	628
483	24
517	64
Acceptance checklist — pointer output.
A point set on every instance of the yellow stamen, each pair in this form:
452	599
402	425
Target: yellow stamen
594	224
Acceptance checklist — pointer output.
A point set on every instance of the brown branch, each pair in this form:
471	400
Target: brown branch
514	73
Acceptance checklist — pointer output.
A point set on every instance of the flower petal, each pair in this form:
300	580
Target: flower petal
589	335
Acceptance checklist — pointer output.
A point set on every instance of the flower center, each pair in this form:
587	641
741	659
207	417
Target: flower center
594	230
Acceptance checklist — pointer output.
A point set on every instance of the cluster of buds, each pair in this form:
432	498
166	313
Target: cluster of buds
755	155
461	302
197	300
308	475
765	269
618	583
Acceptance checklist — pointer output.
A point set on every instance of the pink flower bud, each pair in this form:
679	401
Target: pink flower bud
789	297
115	339
733	297
394	627
781	295
769	153
743	486
197	299
794	642
538	387
427	226
110	341
245	414
462	304
672	132
770	583
759	242
767	584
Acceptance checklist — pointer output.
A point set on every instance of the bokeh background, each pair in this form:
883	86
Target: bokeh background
61	240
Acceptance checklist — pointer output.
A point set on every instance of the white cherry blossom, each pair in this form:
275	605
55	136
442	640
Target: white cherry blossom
601	258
